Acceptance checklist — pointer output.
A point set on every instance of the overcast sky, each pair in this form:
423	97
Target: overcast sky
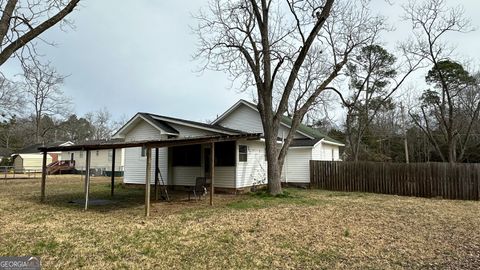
138	57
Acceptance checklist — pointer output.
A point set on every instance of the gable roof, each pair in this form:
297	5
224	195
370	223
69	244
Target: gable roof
211	127
310	131
32	149
303	129
160	124
163	123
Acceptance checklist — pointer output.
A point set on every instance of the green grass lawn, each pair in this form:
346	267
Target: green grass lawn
306	229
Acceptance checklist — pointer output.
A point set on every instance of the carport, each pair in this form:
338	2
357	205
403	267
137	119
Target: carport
148	145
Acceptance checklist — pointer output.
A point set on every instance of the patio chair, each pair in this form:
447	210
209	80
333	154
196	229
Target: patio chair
199	189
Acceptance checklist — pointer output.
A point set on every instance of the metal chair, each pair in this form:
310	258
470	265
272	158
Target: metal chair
199	189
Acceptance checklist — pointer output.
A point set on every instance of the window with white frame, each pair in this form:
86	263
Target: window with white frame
143	151
110	154
242	153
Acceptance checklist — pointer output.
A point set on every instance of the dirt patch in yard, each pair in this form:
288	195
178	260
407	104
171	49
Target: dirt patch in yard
308	229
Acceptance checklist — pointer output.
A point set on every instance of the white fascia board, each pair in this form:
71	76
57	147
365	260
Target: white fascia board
227	112
235	106
67	143
155	126
117	135
297	147
132	121
193	125
263	140
329	142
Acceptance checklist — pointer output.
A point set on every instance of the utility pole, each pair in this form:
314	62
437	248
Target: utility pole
405	141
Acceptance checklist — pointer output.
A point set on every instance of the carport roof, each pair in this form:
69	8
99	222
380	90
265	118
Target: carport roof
116	144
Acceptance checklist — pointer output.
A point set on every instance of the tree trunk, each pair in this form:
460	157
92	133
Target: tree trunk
274	177
452	155
274	166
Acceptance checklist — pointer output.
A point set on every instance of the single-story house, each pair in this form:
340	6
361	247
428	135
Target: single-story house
29	162
238	164
100	160
30	158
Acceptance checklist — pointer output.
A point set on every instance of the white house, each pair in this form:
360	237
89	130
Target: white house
308	144
29	162
238	164
100	160
30	158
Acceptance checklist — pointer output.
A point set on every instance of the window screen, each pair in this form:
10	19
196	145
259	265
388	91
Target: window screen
225	154
242	153
189	156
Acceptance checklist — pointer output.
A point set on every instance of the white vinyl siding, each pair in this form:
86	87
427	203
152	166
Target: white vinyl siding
297	165
225	177
101	161
247	119
323	151
255	168
185	176
135	164
30	162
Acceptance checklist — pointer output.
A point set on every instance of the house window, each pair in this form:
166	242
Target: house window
98	152
242	153
81	154
225	154
187	156
110	153
143	151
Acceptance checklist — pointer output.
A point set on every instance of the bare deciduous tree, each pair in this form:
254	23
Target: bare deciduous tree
43	93
288	51
102	123
22	21
11	99
431	21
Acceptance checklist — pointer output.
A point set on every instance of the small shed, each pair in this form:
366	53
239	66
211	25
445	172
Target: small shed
29	162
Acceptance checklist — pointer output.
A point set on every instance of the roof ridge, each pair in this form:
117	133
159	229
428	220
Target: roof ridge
214	126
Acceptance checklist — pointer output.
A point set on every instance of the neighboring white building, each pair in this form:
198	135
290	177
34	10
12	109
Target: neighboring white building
239	164
30	158
99	159
29	162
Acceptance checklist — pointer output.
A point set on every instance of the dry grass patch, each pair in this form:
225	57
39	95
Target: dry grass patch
308	229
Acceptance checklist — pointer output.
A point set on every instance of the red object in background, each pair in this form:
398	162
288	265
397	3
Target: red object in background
54	157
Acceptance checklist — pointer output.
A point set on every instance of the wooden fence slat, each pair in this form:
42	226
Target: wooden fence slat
446	180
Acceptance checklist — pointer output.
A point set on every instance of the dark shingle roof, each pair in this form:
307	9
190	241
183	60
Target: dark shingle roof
89	142
310	131
34	147
304	142
200	124
160	124
303	128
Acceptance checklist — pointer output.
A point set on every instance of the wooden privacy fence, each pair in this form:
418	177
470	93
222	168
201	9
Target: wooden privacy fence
450	181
